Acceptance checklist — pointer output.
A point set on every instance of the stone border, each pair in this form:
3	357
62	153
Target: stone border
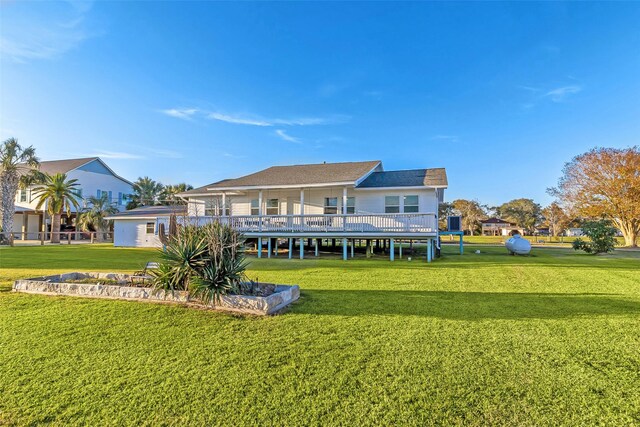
55	285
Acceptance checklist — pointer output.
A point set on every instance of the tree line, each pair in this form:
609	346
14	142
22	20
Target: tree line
601	184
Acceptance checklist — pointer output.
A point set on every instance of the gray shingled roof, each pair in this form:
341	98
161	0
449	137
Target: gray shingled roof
63	166
406	178
150	212
322	173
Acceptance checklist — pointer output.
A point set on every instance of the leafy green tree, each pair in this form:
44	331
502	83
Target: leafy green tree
170	194
524	212
18	169
445	209
601	237
59	195
555	218
146	192
471	211
93	218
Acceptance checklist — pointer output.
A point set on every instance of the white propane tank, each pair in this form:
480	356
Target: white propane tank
519	246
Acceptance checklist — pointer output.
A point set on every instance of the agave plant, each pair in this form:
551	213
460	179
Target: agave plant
207	261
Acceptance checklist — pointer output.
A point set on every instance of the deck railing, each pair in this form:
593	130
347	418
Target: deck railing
335	223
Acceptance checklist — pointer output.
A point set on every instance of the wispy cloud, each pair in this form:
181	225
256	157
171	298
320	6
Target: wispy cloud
239	120
450	138
115	155
30	36
180	113
168	154
561	93
282	134
261	121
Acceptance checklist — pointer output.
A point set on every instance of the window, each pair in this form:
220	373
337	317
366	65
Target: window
23	195
110	197
330	205
120	198
210	208
151	227
392	204
255	207
411	204
272	207
351	205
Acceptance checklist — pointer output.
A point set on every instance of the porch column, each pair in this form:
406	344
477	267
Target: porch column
429	249
290	248
344	249
275	249
224	204
316	247
302	202
25	221
260	211
301	248
259	247
344	201
392	252
269	248
353	242
400	249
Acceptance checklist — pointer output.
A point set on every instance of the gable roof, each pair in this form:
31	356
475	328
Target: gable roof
53	167
495	220
63	166
297	175
436	177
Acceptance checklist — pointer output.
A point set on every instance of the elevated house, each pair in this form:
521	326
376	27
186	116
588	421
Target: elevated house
499	227
94	179
307	203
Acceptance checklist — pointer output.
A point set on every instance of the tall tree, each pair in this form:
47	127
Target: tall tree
146	192
555	218
170	193
524	212
18	169
471	211
445	209
93	218
604	183
59	195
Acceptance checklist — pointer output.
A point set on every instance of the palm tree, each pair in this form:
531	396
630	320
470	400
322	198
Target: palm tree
18	169
59	194
93	217
170	193
146	192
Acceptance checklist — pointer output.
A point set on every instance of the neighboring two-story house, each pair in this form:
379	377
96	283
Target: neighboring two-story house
499	227
94	179
342	201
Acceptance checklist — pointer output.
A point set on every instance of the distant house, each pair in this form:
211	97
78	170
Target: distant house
574	232
94	178
343	201
499	227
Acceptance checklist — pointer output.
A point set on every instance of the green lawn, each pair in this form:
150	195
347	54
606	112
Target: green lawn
479	339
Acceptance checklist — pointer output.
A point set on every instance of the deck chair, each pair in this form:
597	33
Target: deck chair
139	277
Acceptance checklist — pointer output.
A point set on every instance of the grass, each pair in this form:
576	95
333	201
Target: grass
479	339
536	240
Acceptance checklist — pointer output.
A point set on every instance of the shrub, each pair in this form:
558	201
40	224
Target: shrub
206	261
601	237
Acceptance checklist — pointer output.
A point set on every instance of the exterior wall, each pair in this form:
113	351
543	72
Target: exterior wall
91	178
366	201
33	225
132	232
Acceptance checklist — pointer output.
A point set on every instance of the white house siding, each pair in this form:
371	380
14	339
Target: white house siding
33	225
133	232
366	201
91	178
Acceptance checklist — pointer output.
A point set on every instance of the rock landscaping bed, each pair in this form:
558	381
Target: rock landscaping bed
263	298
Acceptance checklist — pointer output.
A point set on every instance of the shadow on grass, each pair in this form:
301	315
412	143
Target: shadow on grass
464	305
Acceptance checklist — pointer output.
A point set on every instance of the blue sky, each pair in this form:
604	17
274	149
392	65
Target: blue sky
501	94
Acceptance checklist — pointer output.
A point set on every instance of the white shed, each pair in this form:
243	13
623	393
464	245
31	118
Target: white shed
139	227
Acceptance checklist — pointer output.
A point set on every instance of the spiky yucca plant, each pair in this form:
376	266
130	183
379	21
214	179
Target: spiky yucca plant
206	261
